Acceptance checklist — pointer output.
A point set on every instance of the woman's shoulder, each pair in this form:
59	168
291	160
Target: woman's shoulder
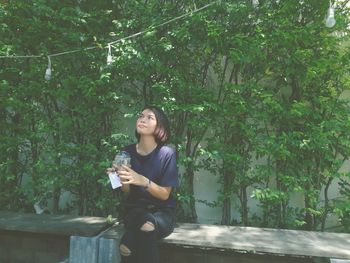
166	150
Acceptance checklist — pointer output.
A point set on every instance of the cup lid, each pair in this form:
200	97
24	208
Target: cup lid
123	154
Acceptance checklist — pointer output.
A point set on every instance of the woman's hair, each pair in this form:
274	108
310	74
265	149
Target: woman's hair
162	131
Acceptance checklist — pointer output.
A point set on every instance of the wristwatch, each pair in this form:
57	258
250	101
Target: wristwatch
148	184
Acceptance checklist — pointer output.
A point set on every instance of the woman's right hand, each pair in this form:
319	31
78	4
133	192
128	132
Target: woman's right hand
110	170
125	188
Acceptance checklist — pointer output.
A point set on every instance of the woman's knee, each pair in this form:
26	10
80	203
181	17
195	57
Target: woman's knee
147	227
124	250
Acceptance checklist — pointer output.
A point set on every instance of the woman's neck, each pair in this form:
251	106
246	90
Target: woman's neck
146	145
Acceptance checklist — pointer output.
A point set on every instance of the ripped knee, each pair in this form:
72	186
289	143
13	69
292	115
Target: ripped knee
147	227
124	250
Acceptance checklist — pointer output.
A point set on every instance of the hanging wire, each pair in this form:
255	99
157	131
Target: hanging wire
165	23
20	56
109	56
121	39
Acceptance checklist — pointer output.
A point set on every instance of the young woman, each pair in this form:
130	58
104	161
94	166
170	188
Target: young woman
148	182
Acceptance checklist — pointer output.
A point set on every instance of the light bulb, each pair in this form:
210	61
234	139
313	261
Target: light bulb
48	74
48	70
109	60
330	20
109	56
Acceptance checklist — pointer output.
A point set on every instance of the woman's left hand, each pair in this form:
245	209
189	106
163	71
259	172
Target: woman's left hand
129	176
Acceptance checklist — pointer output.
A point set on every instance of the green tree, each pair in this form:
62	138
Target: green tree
305	119
257	85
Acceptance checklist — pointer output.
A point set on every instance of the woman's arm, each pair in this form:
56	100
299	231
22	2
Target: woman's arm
160	192
129	176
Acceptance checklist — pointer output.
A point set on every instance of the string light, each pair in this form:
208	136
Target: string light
330	20
28	56
109	56
48	70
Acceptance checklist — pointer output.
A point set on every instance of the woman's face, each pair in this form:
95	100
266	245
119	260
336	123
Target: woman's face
146	123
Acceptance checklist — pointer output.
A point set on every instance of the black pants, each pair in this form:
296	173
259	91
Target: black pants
144	244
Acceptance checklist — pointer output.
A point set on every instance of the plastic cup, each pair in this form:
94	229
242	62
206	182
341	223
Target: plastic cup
122	158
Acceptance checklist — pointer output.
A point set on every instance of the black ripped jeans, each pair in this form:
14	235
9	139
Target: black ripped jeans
144	244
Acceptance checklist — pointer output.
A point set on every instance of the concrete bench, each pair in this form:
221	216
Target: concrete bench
210	243
43	238
57	238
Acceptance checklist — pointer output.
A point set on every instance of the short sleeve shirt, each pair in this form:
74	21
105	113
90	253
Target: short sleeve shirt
160	167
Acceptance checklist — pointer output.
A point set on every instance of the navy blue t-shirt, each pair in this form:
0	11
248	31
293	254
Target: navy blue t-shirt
160	167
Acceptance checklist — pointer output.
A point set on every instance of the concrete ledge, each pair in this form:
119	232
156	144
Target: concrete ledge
32	238
252	240
65	225
41	238
263	240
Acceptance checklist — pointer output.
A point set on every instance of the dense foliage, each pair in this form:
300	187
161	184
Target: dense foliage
255	95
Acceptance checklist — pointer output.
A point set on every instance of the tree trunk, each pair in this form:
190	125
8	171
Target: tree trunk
226	206
309	218
326	204
244	205
55	200
192	215
226	212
